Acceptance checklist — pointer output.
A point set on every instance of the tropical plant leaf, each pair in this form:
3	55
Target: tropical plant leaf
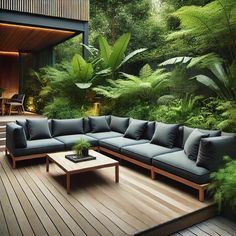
118	51
105	50
207	81
131	55
176	60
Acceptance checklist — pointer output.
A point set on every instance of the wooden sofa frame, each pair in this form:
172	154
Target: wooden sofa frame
29	157
154	170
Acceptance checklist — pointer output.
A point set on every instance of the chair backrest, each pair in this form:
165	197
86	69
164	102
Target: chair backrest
18	98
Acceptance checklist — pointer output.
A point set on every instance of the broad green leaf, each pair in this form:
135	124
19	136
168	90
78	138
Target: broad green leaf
175	60
131	55
207	81
119	49
105	50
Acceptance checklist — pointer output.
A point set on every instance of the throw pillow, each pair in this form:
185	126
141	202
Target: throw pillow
23	123
136	129
67	127
99	124
191	145
119	124
165	134
38	129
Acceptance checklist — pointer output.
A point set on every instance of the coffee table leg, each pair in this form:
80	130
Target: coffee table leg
68	182
47	164
117	173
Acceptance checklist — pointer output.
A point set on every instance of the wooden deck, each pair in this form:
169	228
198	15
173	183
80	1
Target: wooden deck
34	202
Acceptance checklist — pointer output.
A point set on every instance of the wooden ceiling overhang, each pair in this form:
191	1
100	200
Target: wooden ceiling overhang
23	32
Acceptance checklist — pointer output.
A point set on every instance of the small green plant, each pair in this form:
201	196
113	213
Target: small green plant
223	186
81	147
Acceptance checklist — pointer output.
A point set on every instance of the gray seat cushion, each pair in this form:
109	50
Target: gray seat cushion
146	151
67	126
40	146
179	164
115	144
104	135
71	140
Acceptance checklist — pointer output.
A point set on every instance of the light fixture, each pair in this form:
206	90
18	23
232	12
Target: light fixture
9	53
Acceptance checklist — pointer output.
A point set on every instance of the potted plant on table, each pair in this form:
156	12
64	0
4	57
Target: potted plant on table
223	188
81	148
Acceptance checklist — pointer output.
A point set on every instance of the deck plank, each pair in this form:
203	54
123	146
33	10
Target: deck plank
26	206
16	205
3	225
96	206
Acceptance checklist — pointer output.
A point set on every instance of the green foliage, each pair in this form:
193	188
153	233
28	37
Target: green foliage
81	145
210	27
223	185
147	86
62	108
114	57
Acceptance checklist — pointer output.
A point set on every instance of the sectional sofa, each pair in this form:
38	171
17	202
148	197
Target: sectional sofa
184	154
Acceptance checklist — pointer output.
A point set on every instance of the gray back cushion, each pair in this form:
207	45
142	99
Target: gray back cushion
67	127
136	129
20	137
165	134
38	129
23	124
187	131
119	124
213	149
99	124
191	145
149	131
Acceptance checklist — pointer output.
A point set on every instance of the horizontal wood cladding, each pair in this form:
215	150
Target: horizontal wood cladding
70	9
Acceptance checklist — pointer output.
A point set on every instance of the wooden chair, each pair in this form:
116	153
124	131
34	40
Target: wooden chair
17	101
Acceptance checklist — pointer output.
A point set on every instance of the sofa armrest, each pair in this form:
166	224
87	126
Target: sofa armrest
15	137
213	149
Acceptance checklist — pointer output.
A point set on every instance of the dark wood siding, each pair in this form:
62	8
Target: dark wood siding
70	9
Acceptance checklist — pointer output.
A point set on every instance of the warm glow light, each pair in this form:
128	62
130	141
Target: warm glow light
35	28
9	53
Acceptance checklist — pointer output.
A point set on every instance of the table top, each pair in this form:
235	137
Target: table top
101	161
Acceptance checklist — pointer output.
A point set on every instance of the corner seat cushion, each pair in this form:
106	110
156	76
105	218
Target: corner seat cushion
71	140
104	135
179	164
115	144
40	146
146	151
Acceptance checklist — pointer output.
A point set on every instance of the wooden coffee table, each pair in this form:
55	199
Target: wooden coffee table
70	167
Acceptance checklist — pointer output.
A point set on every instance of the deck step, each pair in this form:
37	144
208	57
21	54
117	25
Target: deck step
2	128
3	123
2	148
2	134
3	141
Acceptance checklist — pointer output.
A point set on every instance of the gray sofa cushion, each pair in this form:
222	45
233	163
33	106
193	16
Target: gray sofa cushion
67	126
116	143
213	149
104	135
38	129
165	134
71	140
192	144
149	131
23	123
40	146
119	124
179	164
136	129
98	124
187	131
146	151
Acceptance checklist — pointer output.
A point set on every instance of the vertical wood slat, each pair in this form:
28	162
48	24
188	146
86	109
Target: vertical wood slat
71	9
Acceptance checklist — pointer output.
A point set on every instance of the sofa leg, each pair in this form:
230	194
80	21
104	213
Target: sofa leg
13	163
201	195
153	174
